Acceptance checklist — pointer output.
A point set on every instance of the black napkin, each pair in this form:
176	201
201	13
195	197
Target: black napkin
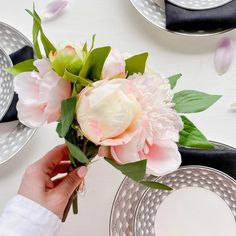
223	17
223	160
23	54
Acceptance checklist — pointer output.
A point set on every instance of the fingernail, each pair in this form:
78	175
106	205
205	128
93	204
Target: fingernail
82	171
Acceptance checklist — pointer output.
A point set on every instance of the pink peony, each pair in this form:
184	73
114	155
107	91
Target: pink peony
114	66
40	94
133	119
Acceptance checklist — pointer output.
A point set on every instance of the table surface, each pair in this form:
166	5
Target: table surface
117	23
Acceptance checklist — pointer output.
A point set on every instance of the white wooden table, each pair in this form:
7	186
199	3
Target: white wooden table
117	23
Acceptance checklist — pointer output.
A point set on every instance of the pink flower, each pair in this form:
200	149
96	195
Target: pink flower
133	119
40	94
114	66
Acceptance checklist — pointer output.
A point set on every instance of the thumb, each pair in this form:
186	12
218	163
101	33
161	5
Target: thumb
72	181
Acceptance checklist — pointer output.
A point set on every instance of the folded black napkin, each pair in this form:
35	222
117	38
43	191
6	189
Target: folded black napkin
223	160
23	54
223	17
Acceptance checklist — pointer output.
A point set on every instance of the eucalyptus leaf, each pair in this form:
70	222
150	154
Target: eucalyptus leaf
67	115
77	153
190	101
173	80
24	66
191	136
76	78
93	65
135	170
155	185
136	64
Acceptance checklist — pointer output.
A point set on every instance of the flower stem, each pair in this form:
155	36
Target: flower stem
75	204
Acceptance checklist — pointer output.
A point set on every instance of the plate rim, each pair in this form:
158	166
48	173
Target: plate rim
200	8
146	189
12	94
189	167
19	124
178	32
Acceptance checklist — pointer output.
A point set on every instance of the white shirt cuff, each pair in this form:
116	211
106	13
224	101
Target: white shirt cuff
24	217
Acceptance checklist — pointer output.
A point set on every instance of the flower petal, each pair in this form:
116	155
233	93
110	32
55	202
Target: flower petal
26	87
224	56
31	115
162	158
114	66
57	94
43	65
54	8
126	153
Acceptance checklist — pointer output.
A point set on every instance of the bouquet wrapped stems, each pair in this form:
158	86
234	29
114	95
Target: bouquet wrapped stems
73	201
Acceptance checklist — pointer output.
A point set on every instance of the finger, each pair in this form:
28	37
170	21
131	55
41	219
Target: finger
61	168
57	181
71	182
52	158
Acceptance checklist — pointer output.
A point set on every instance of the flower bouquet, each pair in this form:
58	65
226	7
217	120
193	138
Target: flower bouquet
109	106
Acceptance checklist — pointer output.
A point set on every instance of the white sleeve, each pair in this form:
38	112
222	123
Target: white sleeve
24	217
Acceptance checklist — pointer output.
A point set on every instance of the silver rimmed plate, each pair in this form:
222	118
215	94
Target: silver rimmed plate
6	81
155	14
199	4
135	207
196	179
12	40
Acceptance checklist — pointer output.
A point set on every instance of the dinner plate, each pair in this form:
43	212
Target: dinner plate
155	14
6	86
12	40
135	208
199	4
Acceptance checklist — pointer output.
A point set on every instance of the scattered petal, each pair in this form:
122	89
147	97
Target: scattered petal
54	8
224	55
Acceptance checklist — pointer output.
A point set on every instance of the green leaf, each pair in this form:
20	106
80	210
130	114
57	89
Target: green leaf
24	66
37	28
173	80
136	64
35	33
48	46
85	49
135	170
76	78
190	101
155	185
92	68
93	41
77	153
67	115
72	160
191	136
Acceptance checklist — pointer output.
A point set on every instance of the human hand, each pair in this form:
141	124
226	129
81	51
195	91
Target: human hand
37	183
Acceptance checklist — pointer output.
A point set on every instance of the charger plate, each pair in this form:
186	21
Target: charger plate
135	206
6	87
199	4
12	40
154	14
